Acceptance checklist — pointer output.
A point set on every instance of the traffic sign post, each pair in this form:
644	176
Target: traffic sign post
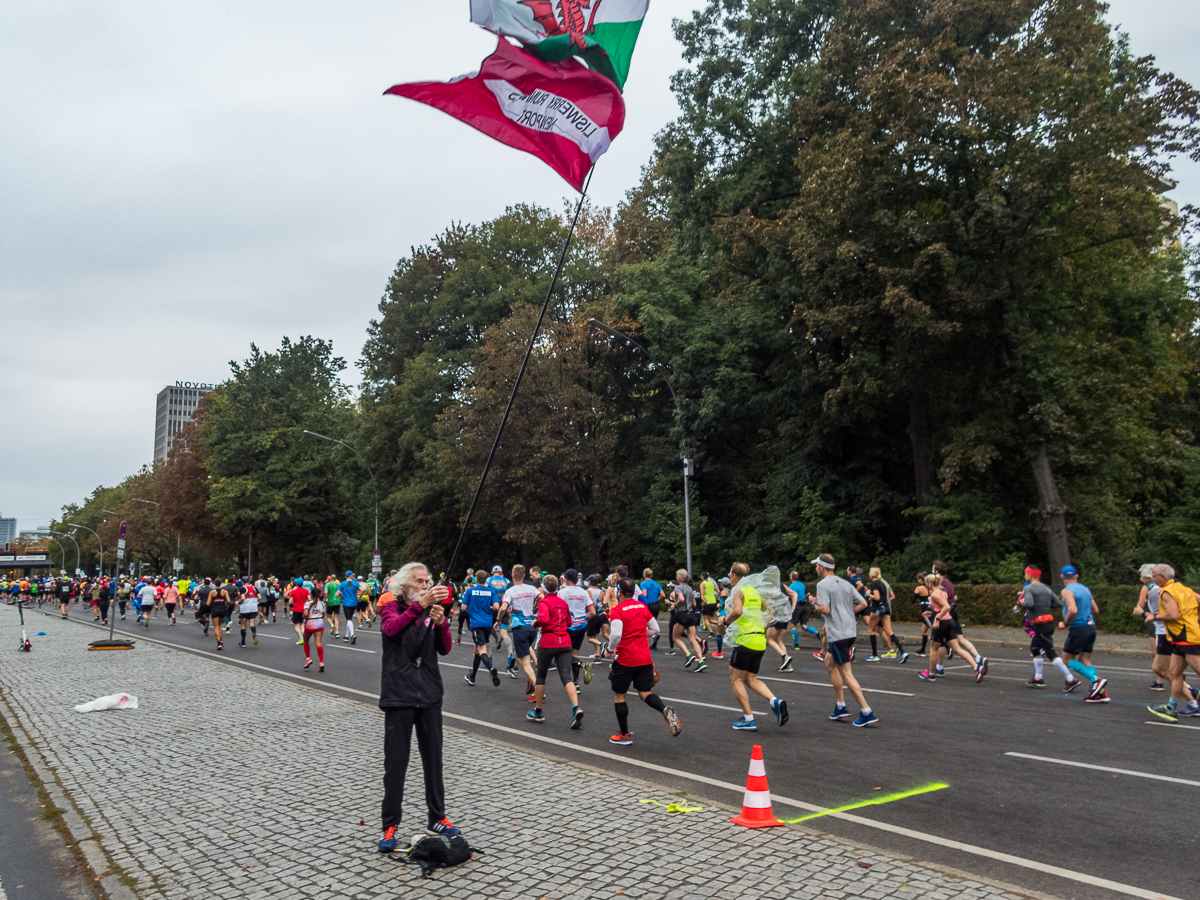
377	563
121	544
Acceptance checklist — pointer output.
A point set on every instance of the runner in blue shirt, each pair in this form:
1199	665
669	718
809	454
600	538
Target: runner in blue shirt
800	611
1079	615
500	584
349	591
482	604
651	592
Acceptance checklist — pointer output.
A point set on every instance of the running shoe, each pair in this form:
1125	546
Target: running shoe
387	843
536	715
939	672
220	645
817	654
354	639
704	646
469	680
927	676
718	655
890	654
670	653
587	673
839	712
1099	687
576	719
702	666
691	658
871	658
299	641
307	662
512	672
1191	690
786	665
528	686
1164	712
1102	697
442	826
672	721
1192	709
781	710
338	634
920	653
495	677
1071	685
981	670
321	667
1036	682
654	643
623	739
255	638
902	659
1157	686
865	719
744	725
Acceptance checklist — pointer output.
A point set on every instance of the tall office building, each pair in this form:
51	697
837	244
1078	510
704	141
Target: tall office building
8	530
175	407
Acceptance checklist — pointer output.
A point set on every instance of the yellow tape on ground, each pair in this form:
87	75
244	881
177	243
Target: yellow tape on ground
674	807
874	801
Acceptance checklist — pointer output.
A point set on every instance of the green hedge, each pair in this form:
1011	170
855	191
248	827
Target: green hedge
991	604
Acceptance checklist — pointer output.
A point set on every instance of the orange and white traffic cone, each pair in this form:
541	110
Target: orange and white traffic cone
756	805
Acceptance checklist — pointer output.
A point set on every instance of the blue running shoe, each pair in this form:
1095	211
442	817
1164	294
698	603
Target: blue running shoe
839	712
387	843
781	713
442	826
536	715
865	719
745	725
1192	709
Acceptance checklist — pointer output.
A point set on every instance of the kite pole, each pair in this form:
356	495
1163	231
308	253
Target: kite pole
521	374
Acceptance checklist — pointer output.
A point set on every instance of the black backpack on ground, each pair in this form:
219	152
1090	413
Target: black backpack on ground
440	852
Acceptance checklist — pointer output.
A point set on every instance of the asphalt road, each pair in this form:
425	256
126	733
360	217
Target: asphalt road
1135	831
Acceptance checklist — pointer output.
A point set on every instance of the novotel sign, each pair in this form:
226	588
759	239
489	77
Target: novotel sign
195	384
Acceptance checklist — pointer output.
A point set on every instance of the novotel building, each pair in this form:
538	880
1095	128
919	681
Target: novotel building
176	403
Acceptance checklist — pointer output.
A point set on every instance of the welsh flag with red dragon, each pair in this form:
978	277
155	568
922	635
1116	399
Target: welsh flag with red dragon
542	99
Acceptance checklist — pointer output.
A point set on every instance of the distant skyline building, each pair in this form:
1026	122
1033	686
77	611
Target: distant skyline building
174	409
8	530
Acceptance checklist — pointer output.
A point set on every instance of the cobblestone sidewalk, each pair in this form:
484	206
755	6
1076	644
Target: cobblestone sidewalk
231	784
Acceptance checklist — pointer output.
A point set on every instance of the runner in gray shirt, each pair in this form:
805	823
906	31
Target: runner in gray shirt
837	602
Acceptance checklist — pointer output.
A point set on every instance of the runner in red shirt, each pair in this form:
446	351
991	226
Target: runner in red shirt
299	597
554	648
630	625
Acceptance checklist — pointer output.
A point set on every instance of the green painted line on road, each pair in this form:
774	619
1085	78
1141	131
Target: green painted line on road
874	801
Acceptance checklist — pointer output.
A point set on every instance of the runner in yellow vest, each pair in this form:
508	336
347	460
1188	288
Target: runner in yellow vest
745	624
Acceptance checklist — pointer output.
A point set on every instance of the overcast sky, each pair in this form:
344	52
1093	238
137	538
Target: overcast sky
179	181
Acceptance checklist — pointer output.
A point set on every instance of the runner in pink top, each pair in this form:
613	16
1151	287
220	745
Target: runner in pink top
554	648
170	599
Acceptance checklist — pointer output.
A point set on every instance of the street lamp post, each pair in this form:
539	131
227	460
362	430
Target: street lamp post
62	554
374	481
73	541
688	463
99	542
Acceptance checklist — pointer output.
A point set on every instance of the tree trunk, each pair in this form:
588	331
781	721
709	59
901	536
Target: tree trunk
920	432
1050	507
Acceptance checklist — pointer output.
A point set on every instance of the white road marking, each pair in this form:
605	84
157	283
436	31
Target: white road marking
1080	765
826	684
1173	725
737	789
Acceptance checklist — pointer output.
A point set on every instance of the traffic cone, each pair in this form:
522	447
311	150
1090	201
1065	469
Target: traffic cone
756	805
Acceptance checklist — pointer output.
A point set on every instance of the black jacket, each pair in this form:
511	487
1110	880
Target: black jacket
411	645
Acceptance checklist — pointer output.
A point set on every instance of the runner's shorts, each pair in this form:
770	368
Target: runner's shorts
481	636
1041	640
746	660
297	618
523	637
842	651
780	625
595	623
710	610
687	619
1181	648
577	635
800	613
641	677
1162	645
247	615
1080	639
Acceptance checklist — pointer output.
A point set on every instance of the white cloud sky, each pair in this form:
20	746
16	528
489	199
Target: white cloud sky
180	181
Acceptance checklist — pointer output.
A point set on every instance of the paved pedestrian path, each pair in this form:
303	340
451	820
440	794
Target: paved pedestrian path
231	784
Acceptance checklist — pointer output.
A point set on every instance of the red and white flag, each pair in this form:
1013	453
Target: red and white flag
562	112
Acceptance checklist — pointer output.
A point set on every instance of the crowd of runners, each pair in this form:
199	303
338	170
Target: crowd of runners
569	623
